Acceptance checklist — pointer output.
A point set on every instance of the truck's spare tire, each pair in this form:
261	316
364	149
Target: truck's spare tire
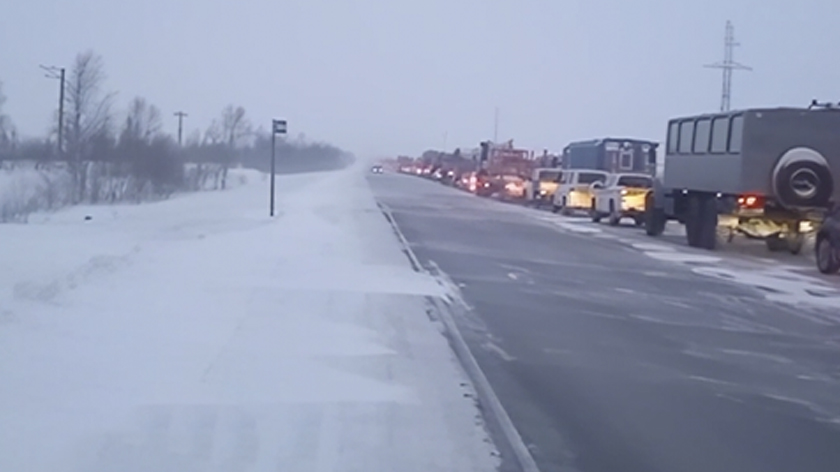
802	178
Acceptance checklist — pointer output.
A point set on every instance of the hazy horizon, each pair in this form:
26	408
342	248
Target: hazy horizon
386	78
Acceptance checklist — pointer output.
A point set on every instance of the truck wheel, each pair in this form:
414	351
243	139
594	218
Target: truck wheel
776	243
593	212
692	220
615	218
563	209
707	237
828	261
555	208
701	221
795	242
654	217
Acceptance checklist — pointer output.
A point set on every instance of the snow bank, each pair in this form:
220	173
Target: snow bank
25	189
195	334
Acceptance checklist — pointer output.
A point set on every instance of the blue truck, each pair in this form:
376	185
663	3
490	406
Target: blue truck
612	155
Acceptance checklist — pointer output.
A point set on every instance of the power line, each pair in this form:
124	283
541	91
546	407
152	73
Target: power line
728	65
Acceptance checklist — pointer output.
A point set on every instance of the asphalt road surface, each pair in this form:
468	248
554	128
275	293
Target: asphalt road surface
611	355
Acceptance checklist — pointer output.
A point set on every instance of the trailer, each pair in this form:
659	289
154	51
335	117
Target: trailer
611	155
766	173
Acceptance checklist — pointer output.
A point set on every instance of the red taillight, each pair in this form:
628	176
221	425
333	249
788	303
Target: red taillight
751	202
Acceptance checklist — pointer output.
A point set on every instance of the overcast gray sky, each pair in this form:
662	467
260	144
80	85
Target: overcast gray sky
395	76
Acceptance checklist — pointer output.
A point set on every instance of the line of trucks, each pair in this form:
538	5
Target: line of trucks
765	173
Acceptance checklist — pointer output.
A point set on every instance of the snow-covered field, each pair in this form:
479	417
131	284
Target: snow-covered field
196	334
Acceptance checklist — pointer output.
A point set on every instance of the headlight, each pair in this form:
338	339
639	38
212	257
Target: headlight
624	191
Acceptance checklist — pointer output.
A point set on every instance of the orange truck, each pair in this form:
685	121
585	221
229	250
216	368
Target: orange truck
507	169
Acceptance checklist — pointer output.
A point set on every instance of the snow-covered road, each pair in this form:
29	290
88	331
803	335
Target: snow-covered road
196	334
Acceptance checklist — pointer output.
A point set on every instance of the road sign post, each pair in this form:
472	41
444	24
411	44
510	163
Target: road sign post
277	127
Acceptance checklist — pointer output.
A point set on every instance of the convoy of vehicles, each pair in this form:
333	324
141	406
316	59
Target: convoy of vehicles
766	173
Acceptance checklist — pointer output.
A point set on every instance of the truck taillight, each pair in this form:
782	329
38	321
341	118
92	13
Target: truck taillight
751	202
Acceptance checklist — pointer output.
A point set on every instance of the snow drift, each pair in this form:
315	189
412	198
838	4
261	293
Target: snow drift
196	334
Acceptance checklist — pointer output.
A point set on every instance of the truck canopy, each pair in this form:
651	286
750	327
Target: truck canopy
789	154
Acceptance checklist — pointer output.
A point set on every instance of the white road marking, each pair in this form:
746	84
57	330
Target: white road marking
673	256
491	346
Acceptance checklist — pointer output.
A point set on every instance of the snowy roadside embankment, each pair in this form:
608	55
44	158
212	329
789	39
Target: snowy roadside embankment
27	188
195	334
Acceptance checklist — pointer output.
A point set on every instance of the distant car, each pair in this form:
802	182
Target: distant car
377	169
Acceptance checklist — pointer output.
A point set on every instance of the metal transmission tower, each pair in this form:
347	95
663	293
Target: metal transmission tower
728	65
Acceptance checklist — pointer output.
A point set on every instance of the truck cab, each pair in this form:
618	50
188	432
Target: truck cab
574	193
621	196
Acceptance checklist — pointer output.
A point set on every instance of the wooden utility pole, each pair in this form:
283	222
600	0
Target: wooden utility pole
181	115
53	72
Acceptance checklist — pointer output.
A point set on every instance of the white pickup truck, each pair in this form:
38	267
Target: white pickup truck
621	196
575	190
542	186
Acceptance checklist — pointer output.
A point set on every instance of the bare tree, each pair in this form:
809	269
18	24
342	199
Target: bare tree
193	139
235	125
213	134
89	113
143	122
7	131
